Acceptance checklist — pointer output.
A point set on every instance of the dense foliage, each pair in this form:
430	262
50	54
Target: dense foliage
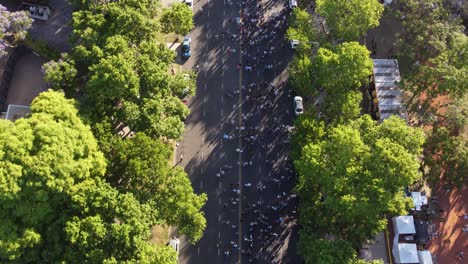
350	20
343	68
434	43
351	175
55	205
447	145
177	18
119	71
13	28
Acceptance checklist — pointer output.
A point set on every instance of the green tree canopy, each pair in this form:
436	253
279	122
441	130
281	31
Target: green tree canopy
135	20
178	18
343	68
350	20
300	74
354	174
446	150
135	89
428	28
140	165
301	26
341	108
55	205
61	75
317	250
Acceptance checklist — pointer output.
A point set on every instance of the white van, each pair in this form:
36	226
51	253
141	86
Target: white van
292	4
175	244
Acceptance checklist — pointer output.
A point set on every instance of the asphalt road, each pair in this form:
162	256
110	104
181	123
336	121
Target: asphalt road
236	141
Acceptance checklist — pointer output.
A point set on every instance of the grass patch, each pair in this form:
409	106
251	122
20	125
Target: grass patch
42	48
159	235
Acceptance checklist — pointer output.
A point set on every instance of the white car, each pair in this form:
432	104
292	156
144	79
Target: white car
175	244
292	3
294	43
189	3
298	106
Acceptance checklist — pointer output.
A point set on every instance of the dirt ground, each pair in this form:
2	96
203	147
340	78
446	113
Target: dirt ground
27	81
452	238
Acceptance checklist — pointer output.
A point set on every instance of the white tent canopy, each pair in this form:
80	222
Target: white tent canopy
405	253
418	200
403	225
425	257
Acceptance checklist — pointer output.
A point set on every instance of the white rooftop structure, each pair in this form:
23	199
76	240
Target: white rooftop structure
425	257
386	76
403	225
405	253
418	200
16	111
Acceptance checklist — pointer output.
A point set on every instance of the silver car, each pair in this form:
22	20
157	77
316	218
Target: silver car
298	106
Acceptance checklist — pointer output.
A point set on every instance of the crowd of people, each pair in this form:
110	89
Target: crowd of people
261	36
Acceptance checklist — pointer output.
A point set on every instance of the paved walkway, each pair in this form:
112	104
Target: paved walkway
27	80
55	30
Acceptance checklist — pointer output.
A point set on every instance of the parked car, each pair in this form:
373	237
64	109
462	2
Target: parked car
189	3
186	53
298	106
292	4
294	43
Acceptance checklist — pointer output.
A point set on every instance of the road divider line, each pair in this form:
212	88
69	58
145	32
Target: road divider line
201	184
239	255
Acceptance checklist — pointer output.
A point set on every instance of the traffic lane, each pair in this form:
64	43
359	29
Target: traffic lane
205	49
268	259
212	93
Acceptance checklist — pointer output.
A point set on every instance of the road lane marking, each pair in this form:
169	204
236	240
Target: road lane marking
219	235
219	216
239	255
219	202
201	184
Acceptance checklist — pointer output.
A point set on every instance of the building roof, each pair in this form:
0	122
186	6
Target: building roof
404	224
386	77
405	253
16	111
